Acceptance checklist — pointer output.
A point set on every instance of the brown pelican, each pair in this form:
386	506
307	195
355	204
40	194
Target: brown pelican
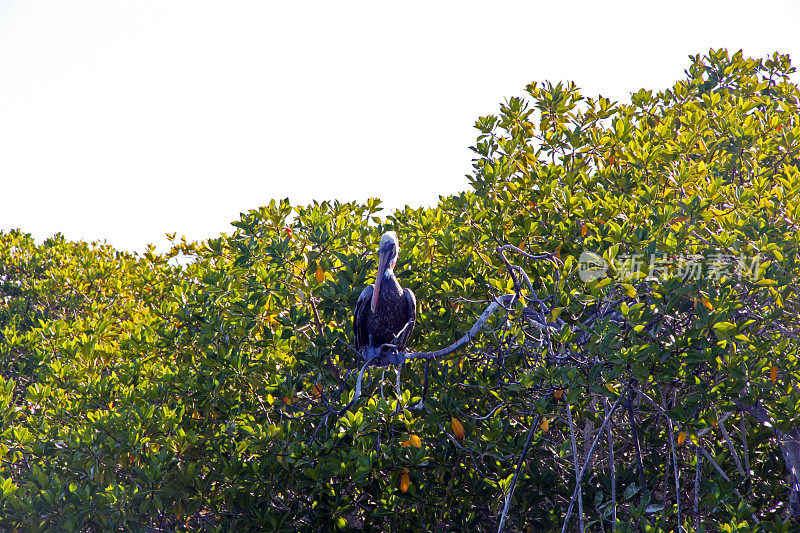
385	312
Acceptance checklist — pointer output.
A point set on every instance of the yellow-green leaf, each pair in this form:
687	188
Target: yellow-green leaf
630	292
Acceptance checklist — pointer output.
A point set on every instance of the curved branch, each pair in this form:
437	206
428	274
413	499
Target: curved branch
396	357
545	255
467	338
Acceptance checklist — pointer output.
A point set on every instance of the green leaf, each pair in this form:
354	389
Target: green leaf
630	292
724	326
630	491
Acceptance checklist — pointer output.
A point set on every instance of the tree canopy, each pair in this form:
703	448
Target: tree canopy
638	363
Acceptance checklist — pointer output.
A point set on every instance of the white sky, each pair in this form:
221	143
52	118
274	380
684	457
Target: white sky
123	120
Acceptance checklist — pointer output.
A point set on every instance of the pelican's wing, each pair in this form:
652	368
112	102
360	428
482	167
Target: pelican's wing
410	302
360	317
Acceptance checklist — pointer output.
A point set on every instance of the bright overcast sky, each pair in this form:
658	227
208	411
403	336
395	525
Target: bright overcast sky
123	120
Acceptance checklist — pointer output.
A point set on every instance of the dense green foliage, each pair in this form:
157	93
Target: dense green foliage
141	395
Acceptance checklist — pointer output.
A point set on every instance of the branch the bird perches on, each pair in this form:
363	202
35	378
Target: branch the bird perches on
388	354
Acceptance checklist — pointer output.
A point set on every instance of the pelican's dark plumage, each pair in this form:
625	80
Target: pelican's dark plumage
385	312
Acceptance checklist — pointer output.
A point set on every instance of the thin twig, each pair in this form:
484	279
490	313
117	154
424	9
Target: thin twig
720	422
317	321
421	403
357	394
698	462
652	402
545	255
610	439
675	469
459	446
516	472
588	456
713	463
575	460
729	442
449	489
510	269
635	435
666	481
743	431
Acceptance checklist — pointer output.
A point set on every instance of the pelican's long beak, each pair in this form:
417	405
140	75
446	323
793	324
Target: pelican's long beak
383	261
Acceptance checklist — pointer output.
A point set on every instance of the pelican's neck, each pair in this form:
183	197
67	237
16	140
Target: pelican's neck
389	284
388	272
385	282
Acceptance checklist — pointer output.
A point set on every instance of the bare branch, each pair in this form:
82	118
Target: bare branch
729	442
743	431
713	463
635	434
698	463
537	257
652	402
516	472
575	460
588	455
675	468
610	439
467	338
357	394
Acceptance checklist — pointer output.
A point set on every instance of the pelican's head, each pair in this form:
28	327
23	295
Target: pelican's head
388	250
